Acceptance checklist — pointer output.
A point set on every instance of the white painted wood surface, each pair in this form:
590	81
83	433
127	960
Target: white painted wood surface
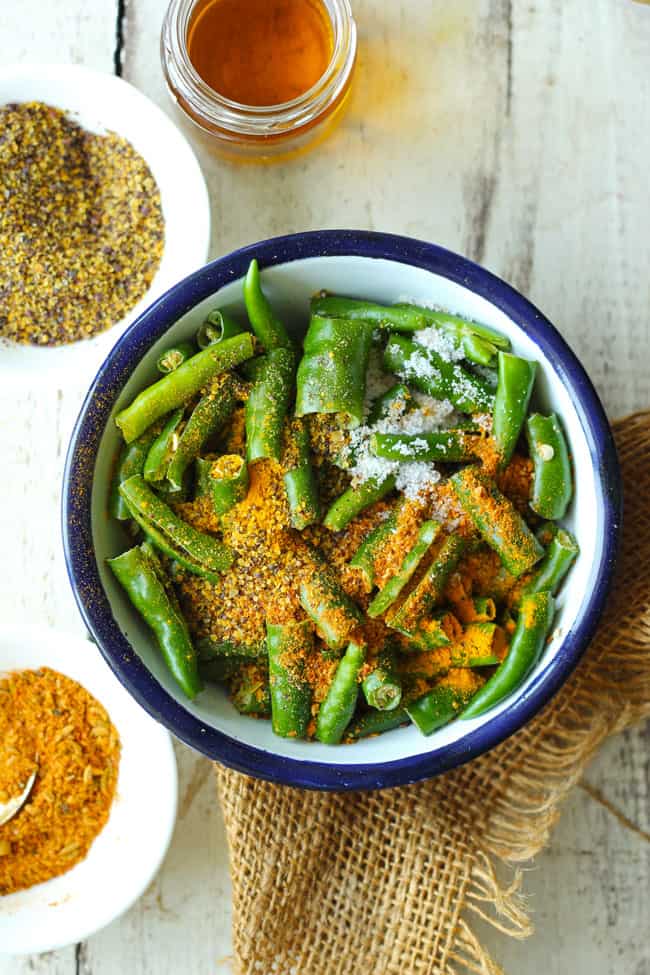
518	132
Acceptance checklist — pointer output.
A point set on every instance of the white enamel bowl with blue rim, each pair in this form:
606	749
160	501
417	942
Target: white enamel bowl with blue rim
384	268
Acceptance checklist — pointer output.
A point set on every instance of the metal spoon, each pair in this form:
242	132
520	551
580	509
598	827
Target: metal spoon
9	809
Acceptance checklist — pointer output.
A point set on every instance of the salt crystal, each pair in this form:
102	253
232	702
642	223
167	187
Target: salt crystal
377	380
441	342
420	365
484	421
445	510
413	479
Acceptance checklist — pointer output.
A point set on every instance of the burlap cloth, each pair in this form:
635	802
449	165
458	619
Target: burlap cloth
388	883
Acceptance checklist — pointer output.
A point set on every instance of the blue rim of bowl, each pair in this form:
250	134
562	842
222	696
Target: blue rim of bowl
77	497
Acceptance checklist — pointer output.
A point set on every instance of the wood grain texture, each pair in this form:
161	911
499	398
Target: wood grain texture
517	132
59	31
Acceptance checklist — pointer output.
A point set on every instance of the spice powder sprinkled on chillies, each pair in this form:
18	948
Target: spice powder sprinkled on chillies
81	227
50	723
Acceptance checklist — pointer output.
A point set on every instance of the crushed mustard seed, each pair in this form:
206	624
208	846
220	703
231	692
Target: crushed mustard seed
81	227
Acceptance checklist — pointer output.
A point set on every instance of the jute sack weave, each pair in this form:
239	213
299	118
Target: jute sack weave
387	883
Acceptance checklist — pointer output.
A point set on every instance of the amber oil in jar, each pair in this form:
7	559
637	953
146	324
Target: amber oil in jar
260	52
260	78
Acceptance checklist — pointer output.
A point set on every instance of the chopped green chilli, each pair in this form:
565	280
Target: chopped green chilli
552	485
332	372
348	534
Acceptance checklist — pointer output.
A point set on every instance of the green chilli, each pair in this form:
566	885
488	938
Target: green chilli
214	408
429	591
202	479
266	325
299	478
552	483
289	645
476	646
252	368
426	634
162	448
355	500
174	357
560	555
514	389
479	343
268	404
382	687
536	612
439	706
375	723
332	373
384	599
149	510
180	558
143	581
229	478
331	609
337	710
430	373
497	520
398	398
250	691
178	388
217	327
365	557
449	446
130	462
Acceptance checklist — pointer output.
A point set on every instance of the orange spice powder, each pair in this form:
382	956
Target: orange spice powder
51	723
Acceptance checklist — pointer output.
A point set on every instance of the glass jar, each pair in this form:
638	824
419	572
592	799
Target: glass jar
259	131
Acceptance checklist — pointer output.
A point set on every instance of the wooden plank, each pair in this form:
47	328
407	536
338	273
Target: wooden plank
77	32
589	890
182	924
409	150
33	581
570	209
38	421
62	962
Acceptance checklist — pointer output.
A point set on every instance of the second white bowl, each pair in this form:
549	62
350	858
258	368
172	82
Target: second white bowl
127	853
101	102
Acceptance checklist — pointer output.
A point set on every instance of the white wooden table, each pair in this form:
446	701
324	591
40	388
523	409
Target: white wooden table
517	132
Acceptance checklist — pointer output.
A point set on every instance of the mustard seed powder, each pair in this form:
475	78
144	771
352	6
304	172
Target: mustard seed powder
81	227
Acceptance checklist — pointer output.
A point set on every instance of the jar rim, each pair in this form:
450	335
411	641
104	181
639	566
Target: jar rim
236	118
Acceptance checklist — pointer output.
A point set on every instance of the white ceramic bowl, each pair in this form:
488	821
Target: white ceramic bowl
101	102
383	268
128	852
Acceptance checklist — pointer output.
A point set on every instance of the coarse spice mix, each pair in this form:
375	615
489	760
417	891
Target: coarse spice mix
50	722
270	556
81	227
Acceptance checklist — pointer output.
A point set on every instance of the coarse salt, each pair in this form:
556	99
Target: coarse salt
414	478
411	478
420	365
378	381
483	421
440	342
